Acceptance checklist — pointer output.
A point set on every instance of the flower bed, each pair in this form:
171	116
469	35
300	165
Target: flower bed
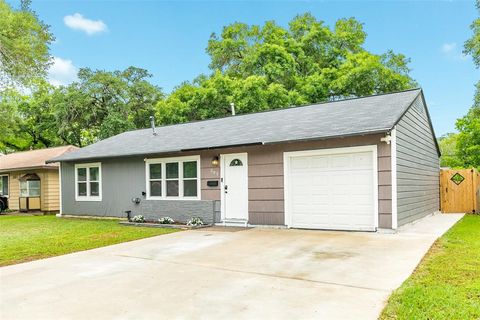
165	222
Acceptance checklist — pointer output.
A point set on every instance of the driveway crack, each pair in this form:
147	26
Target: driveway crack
287	277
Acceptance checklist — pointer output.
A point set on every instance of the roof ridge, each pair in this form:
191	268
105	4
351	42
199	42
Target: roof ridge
279	109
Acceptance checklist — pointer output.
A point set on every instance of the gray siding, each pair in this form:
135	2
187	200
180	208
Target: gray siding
122	180
417	165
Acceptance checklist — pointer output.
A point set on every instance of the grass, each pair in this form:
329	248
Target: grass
27	238
446	284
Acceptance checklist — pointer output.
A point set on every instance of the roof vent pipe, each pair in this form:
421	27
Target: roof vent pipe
152	123
232	108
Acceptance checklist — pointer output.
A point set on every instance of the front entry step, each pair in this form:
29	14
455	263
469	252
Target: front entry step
234	223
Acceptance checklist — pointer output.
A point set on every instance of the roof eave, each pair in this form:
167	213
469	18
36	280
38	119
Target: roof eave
5	170
259	143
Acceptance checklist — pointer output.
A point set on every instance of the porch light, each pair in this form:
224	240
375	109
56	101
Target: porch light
215	161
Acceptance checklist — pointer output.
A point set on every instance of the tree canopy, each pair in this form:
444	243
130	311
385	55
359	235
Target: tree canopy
269	67
24	45
468	140
255	67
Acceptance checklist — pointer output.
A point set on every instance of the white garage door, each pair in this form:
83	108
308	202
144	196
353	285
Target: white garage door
332	189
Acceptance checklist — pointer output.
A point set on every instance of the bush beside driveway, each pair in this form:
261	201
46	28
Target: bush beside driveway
27	238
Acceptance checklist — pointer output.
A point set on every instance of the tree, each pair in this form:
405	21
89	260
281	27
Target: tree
28	121
469	126
468	144
267	67
24	45
448	148
9	119
103	103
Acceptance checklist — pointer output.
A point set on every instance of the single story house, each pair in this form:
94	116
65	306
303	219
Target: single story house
354	164
28	183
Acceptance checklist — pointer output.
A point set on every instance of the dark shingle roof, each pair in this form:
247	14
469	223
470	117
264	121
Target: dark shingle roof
356	116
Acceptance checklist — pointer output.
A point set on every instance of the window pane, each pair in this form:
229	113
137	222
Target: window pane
82	174
156	171
82	189
23	189
94	189
172	170
4	185
172	188
190	169
155	188
34	184
190	188
33	188
34	192
94	174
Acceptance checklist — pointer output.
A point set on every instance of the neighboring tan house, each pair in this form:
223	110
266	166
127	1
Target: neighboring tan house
28	183
354	164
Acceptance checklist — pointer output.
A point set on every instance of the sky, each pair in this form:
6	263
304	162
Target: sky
169	38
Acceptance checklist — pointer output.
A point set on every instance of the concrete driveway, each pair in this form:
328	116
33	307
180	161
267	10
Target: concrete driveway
222	274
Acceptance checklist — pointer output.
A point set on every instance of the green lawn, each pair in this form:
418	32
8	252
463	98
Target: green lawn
446	284
26	238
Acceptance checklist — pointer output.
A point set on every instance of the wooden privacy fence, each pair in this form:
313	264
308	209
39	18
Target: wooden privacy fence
460	190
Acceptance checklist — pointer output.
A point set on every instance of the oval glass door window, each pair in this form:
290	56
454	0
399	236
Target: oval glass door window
236	163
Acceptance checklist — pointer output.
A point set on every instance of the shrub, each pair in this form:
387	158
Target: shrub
195	221
139	219
166	220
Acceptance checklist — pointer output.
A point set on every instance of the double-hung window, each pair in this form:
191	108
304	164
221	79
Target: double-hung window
88	182
173	178
4	185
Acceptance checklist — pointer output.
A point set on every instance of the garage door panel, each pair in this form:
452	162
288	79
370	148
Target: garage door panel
340	161
332	191
319	162
340	198
363	160
363	178
306	219
321	200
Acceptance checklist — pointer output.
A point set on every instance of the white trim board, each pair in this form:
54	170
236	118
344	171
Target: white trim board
393	157
286	170
60	188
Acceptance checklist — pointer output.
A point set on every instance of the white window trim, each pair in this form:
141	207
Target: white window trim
180	161
88	166
8	186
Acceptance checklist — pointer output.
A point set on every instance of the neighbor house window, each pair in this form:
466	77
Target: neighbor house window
30	188
3	185
173	178
88	182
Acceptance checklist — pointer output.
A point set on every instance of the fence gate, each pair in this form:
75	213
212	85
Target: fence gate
460	190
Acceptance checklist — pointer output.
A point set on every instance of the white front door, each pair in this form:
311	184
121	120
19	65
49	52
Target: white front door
235	186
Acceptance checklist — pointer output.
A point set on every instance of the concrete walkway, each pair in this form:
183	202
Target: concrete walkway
222	274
